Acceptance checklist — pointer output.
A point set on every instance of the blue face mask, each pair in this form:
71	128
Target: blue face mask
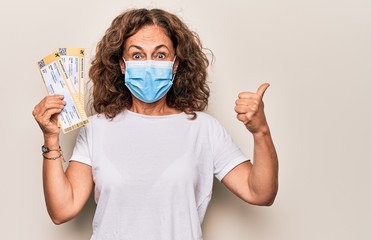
149	80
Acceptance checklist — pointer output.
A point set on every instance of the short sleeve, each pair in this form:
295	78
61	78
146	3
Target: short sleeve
81	151
227	155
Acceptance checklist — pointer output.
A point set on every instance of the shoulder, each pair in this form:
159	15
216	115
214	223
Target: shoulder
98	117
208	121
205	117
101	118
99	121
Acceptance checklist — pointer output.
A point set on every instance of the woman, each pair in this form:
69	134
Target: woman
150	152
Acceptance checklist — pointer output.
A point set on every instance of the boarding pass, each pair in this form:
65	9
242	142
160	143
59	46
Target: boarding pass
62	73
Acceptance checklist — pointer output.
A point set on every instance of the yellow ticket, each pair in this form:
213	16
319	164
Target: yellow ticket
73	59
56	79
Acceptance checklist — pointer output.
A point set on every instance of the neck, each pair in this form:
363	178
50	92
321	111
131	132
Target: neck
158	108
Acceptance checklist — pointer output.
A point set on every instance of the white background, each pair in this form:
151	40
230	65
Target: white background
316	55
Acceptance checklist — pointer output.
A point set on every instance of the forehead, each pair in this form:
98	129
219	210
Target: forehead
149	36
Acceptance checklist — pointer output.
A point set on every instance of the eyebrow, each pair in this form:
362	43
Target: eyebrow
156	48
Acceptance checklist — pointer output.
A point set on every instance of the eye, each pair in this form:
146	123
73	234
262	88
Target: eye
160	55
136	56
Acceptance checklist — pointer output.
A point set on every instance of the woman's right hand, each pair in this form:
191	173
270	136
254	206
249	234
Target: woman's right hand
46	114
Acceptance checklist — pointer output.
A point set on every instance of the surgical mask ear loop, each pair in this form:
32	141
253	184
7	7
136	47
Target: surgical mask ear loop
172	79
123	72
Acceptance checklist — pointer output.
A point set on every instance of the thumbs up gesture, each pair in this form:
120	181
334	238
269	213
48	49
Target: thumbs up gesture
250	110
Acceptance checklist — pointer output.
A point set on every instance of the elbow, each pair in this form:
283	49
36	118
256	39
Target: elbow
270	198
59	219
267	199
269	202
264	202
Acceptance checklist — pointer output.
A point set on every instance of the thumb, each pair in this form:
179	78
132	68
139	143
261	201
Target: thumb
262	89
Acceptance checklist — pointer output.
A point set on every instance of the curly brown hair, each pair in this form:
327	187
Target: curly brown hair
189	92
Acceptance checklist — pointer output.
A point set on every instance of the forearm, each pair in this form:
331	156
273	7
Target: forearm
57	188
263	178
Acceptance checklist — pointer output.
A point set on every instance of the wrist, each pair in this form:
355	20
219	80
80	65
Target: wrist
264	131
51	141
51	149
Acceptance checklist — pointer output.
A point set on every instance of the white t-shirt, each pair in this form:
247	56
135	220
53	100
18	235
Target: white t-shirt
154	174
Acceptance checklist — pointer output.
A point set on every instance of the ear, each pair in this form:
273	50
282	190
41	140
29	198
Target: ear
175	66
122	66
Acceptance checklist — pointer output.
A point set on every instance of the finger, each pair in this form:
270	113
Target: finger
248	101
245	109
262	89
53	99
51	105
41	111
50	99
242	118
49	114
241	109
245	117
56	96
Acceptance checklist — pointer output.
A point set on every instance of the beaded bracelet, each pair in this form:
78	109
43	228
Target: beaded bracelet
55	158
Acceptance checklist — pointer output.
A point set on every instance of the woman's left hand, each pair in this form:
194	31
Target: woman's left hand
250	110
